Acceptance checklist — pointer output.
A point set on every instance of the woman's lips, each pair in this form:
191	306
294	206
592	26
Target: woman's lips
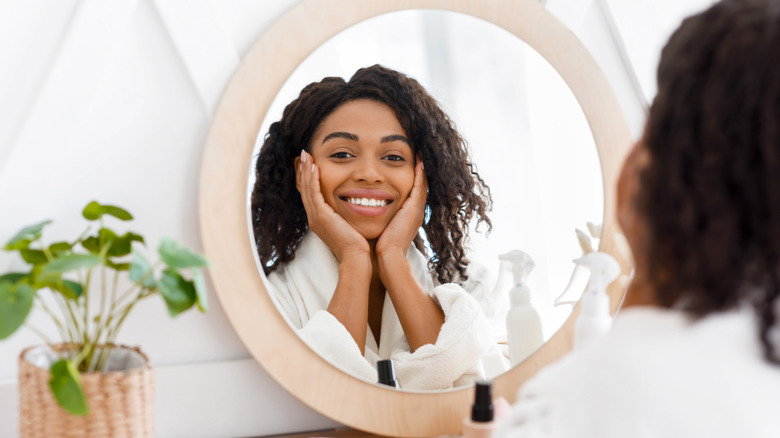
367	202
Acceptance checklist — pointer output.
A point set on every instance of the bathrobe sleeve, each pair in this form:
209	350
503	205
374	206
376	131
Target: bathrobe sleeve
455	358
317	327
466	337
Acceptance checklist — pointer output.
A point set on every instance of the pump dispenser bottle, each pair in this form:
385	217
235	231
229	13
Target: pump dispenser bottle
386	373
523	324
480	424
594	319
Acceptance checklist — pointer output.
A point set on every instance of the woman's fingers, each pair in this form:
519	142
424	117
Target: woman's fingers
338	235
420	186
312	198
401	230
415	204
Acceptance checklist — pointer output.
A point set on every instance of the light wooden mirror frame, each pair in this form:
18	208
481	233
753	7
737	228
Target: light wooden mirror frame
225	228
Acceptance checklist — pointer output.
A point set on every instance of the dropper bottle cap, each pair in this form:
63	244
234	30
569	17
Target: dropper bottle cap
386	373
482	409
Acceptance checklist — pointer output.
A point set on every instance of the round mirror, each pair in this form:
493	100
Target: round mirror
527	134
240	287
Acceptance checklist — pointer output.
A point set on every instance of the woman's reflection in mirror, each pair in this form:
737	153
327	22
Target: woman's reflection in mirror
345	182
698	351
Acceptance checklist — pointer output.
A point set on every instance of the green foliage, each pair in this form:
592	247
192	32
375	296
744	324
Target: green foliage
25	236
70	262
65	383
94	211
177	256
141	270
70	271
16	300
179	294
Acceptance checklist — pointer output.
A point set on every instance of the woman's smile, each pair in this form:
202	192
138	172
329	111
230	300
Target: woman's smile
366	164
367	202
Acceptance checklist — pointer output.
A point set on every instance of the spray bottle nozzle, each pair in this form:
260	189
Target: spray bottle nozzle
604	269
522	264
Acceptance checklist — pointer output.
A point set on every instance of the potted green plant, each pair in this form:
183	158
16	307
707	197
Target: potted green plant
88	287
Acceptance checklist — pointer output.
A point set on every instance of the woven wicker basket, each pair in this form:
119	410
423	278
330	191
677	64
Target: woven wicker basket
121	403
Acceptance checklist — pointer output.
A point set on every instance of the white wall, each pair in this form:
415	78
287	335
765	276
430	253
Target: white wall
112	101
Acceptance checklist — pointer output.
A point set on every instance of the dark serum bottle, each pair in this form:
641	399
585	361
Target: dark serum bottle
386	373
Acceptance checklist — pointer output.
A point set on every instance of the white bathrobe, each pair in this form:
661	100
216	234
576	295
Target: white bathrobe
303	288
656	374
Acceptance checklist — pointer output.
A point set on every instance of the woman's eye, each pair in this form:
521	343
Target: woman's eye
394	158
341	155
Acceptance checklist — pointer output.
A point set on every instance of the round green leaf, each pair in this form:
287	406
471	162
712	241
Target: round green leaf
60	248
13	277
33	256
117	212
70	262
16	300
140	270
123	245
107	239
178	293
94	211
26	235
117	266
65	383
177	256
91	244
69	288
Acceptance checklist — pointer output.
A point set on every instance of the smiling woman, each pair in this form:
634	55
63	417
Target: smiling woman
508	104
356	165
242	289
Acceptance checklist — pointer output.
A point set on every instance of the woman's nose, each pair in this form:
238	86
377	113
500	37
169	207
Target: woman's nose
367	170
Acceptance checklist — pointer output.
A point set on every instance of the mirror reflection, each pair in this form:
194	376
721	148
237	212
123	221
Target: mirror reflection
528	140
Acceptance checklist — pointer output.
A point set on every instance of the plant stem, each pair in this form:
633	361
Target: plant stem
46	252
57	322
126	311
39	333
98	325
81	236
140	282
105	320
113	331
65	311
85	295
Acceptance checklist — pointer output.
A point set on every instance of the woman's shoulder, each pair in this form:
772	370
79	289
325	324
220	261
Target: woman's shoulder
660	371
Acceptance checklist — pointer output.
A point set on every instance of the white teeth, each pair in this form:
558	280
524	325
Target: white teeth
367	202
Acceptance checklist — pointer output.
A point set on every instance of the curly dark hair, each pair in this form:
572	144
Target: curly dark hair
456	192
710	193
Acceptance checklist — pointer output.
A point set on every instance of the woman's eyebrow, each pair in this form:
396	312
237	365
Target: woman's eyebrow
395	137
353	137
340	134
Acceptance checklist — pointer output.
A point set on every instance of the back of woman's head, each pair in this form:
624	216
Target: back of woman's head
456	193
710	193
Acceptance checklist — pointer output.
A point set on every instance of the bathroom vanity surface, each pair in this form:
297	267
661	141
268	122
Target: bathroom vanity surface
334	433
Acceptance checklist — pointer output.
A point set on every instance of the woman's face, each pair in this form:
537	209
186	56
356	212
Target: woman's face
366	164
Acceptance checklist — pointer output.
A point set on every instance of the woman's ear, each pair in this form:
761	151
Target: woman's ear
298	173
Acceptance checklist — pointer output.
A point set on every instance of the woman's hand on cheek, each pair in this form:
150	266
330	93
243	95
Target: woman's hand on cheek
342	239
402	229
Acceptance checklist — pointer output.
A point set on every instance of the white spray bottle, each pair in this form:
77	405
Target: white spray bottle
523	325
594	319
